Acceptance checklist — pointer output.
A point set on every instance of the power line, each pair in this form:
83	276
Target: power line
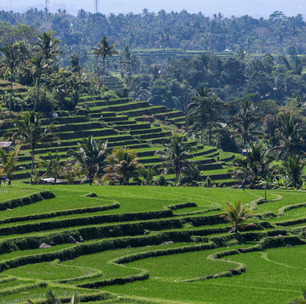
96	6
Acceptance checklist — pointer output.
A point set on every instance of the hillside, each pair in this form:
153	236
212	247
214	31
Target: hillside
127	124
149	245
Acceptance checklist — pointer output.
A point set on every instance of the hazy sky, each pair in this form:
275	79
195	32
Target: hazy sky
255	8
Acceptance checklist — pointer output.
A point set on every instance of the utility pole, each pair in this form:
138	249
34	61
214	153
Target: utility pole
96	6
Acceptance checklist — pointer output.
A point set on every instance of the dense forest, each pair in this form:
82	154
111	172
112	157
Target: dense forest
171	30
261	57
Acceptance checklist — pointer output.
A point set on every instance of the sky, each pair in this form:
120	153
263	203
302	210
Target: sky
254	8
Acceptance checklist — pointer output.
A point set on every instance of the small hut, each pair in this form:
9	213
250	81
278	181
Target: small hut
5	145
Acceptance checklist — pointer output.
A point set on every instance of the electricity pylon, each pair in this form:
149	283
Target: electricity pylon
47	2
96	6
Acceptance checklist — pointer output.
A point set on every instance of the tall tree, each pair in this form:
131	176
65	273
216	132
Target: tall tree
91	155
205	111
121	162
174	156
9	162
128	61
246	120
52	162
294	168
29	131
13	57
49	46
290	135
256	165
103	49
38	64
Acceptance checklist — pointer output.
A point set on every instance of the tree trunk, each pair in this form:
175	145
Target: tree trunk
32	165
38	84
201	136
11	97
210	134
265	192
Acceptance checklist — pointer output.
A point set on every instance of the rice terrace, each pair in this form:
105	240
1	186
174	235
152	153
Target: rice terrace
188	256
152	157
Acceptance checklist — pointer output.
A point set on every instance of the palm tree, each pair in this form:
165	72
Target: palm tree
120	162
246	120
52	162
129	61
174	156
38	64
13	57
147	175
103	49
47	44
237	214
265	182
256	165
30	132
71	170
91	155
9	162
205	110
290	135
294	169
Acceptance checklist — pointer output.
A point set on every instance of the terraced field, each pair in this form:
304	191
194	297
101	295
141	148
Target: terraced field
149	245
129	124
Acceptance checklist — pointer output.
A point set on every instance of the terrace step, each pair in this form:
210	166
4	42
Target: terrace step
150	111
146	131
125	107
167	115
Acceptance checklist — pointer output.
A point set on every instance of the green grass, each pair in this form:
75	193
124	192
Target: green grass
181	266
7	193
264	282
48	271
272	276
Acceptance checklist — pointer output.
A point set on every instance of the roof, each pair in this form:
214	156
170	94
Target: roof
5	144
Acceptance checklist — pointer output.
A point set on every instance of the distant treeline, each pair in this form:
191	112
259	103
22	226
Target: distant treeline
171	30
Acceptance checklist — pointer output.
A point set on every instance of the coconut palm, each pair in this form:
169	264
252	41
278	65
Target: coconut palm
91	155
121	162
13	57
246	120
256	165
9	162
71	170
147	175
294	168
38	64
174	156
290	135
129	61
103	49
265	182
205	110
52	162
48	45
29	131
237	214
